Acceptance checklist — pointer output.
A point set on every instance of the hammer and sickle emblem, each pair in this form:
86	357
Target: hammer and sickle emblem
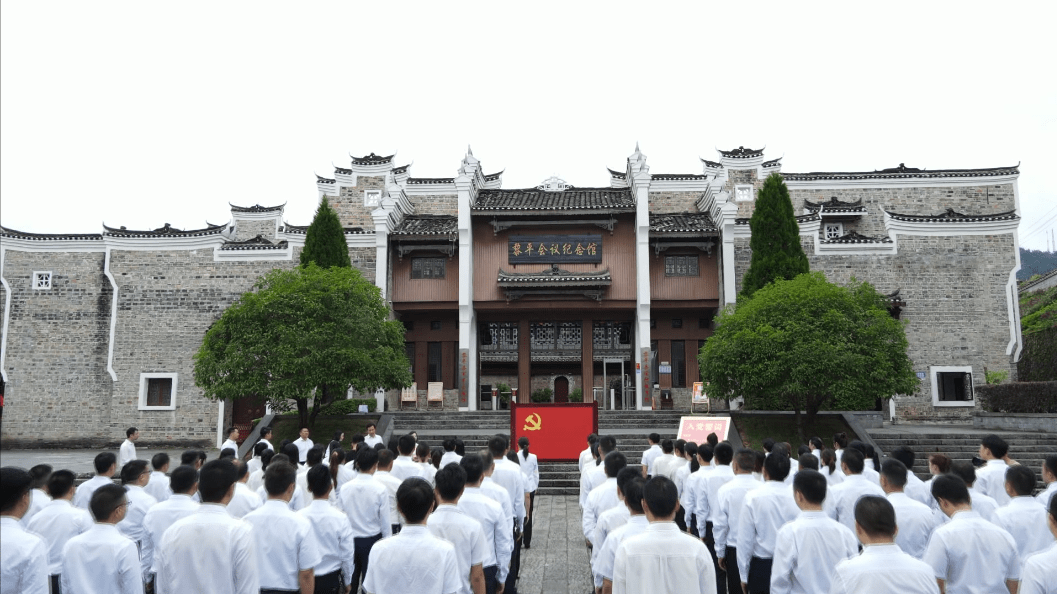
532	423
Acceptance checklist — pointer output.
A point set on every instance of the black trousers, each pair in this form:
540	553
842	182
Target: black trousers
361	551
510	587
680	519
692	525
56	584
721	576
528	521
733	573
329	583
759	575
491	581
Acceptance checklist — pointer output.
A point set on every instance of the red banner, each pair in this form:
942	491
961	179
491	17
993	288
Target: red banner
696	429
556	432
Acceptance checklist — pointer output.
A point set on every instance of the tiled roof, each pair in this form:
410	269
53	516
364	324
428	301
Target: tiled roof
493	176
617	174
555	277
711	164
256	243
950	216
683	222
256	208
13	234
679	176
301	230
853	237
772	162
799	219
430	180
902	172
342	170
428	225
835	205
166	231
741	153
532	199
372	159
401	169
325	180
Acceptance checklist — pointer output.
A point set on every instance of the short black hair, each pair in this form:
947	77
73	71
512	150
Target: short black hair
592	438
965	471
451	480
895	472
449	444
385	458
876	516
1051	464
60	482
473	464
371	424
606	444
626	474
132	470
746	460
998	446
159	460
712	439
130	431
777	466
414	499
811	484
654	437
259	448
183	479
314	456
422	451
1022	479
723	453
497	445
356	438
278	478
768	444
214	480
807	462
189	457
241	469
228	454
405	445
14	484
39	474
319	480
1053	507
904	455
366	459
105	500
661	496
633	491
802	449
853	459
231	430
614	463
950	487
705	452
265	431
667	446
103	461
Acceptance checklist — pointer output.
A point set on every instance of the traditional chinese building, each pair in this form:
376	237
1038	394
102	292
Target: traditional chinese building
594	293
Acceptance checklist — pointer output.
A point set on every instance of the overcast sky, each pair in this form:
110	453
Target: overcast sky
146	113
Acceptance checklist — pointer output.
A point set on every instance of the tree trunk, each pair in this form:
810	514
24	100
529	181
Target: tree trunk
800	430
323	398
302	412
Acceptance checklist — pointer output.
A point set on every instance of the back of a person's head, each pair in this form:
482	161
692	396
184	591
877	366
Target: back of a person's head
853	459
405	445
486	459
318	480
189	457
810	484
626	474
228	454
450	480
265	431
942	462
60	482
449	445
998	446
292	452
1021	479
356	438
894	472
965	471
266	457
859	446
712	439
667	446
39	474
841	439
723	453
633	491
680	447
366	459
103	461
816	443
314	456
780	448
760	457
592	438
661	496
158	461
807	462
460	447
706	453
200	455
183	479
415	499
105	500
746	460
606	444
215	479
876	516
241	469
654	437
132	470
802	449
350	456
1051	464
1053	508
497	446
614	463
950	487
15	482
777	466
768	444
422	451
280	459
378	447
904	455
385	458
278	478
259	448
473	464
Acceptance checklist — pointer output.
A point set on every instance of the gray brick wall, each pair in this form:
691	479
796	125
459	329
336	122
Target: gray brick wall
248	229
665	202
349	203
440	204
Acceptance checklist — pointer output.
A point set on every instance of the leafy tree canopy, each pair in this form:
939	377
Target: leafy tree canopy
305	334
325	240
775	242
807	344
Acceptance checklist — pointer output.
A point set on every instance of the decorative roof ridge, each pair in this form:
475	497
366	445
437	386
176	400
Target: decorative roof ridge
682	222
903	172
325	180
401	169
255	208
617	174
951	216
742	153
255	243
494	176
16	234
895	298
832	203
571	189
371	159
430	180
430	216
854	237
711	164
680	176
771	163
808	217
165	231
302	229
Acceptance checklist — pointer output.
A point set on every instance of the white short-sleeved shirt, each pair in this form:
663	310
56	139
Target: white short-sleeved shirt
649	454
507	474
591	477
83	496
243	501
366	503
530	468
917	489
101	561
391	484
883	568
286	544
841	499
372	440
972	555
37	500
806	551
1025	520
767	509
465	534
608	521
720	475
159	519
663	560
1044	497
731	501
333	537
604	497
404	467
207	552
25	560
991	481
585	457
392	570
498	527
1039	569
602	563
126	454
303	445
449	458
57	523
159	486
916	522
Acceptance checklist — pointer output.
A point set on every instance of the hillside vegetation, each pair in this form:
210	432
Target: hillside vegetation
1038	310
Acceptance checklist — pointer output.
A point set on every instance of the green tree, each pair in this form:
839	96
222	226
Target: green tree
305	334
775	242
325	240
805	344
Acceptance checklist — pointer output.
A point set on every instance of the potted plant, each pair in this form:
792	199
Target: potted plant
504	395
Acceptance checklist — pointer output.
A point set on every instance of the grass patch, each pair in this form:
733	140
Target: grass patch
755	428
287	428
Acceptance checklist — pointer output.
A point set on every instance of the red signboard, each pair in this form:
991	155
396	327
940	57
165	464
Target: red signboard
556	432
696	429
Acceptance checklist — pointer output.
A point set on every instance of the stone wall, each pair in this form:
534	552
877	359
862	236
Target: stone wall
736	177
1015	422
248	229
436	204
667	202
349	202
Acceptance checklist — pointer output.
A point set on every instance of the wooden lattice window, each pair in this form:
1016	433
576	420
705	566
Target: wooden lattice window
681	266
427	268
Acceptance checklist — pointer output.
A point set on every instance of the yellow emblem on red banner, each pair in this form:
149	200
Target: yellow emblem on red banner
533	422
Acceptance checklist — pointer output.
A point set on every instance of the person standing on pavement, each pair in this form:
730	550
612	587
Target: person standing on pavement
916	520
103	560
158	485
166	513
127	453
472	550
287	554
991	478
366	503
105	466
134	477
530	469
59	521
25	555
333	536
303	444
766	510
232	441
372	438
651	452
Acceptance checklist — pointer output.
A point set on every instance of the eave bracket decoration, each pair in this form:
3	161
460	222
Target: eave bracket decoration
502	225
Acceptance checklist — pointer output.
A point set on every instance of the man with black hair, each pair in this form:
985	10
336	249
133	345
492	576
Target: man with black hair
1039	569
159	518
404	466
191	458
38	496
105	466
332	533
730	500
809	547
208	550
134	477
102	560
662	560
695	482
508	475
392	484
266	437
840	505
59	521
449	457
991	478
25	555
232	440
689	464
128	447
594	475
916	520
882	566
1023	517
706	505
313	458
650	453
983	504
472	550
915	488
586	456
372	438
497	526
659	465
493	489
603	497
255	463
613	519
244	500
1049	478
286	563
393	571
366	503
158	485
766	509
969	554
303	444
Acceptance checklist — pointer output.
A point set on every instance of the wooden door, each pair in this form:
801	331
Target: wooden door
243	411
561	389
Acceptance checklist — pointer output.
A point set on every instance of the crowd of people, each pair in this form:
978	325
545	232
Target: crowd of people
387	518
706	518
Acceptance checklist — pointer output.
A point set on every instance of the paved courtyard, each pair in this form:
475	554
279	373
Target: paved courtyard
558	562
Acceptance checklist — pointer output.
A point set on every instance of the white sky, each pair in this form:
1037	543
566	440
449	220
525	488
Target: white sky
143	113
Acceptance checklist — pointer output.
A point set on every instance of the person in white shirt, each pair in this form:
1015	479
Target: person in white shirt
313	458
662	560
232	441
688	465
287	554
1039	569
166	513
816	446
245	499
256	479
707	494
472	550
1023	517
586	456
882	566
650	453
404	466
255	463
507	474
494	491
730	500
969	554
134	477
38	495
393	571
372	438
59	521
765	510
840	442
991	478
809	547
916	520
332	533
266	437
694	482
496	524
660	465
105	466
636	523
1049	477
982	503
303	444
612	519
530	469
449	457
594	475
840	504
300	498
366	503
424	459
915	488
829	468
158	485
603	497
25	555
127	453
103	560
384	476
208	550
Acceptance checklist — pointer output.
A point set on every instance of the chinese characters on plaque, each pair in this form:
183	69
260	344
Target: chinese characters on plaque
696	429
527	249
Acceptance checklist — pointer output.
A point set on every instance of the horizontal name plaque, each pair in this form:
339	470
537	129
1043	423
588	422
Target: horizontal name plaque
526	249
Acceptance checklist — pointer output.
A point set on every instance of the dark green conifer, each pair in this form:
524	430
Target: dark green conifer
325	241
775	243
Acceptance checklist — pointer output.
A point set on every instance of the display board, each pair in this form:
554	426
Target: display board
556	432
697	428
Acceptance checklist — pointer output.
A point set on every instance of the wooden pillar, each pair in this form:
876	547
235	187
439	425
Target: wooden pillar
587	360
524	362
422	363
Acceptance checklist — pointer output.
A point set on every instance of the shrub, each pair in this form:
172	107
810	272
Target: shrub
576	395
1038	362
1019	397
349	406
995	377
542	395
504	392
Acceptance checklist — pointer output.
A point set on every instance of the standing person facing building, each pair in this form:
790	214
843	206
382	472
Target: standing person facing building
707	495
916	520
631	494
102	560
1023	517
840	504
134	477
127	453
366	503
991	478
766	510
333	535
158	486
530	469
286	545
24	554
105	466
59	521
166	513
38	495
1049	478
1039	569
473	551
496	524
384	475
730	503
651	453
